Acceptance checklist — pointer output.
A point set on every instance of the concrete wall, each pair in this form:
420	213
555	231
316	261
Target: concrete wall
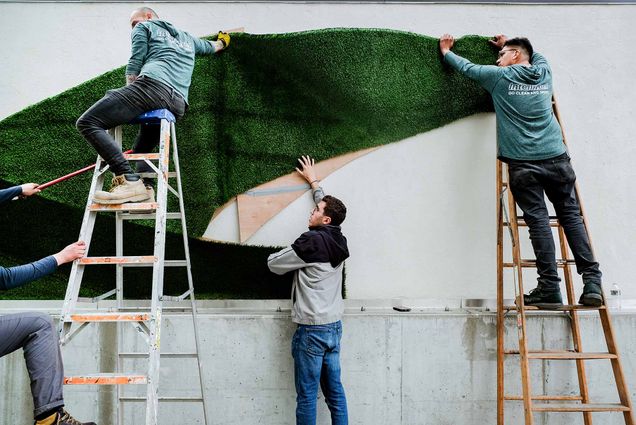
435	227
425	367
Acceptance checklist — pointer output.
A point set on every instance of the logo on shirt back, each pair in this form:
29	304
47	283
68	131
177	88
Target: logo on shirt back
184	45
527	89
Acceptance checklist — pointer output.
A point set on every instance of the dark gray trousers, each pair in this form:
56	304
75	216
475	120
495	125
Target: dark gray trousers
36	334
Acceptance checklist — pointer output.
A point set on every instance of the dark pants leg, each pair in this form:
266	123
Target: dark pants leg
36	334
529	180
120	106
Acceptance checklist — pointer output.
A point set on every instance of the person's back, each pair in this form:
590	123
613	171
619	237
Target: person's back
165	53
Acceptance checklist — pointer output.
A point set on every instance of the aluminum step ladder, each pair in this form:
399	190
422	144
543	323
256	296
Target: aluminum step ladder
508	218
146	320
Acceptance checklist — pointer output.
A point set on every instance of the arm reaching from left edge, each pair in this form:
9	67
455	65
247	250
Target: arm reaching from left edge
13	277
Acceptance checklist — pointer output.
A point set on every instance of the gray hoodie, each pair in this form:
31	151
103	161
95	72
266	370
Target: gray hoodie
316	258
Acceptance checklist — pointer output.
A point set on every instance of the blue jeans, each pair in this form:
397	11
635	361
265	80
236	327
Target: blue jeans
316	352
529	180
122	105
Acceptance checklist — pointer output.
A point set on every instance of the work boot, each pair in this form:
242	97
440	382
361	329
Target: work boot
592	295
151	194
62	418
124	188
545	299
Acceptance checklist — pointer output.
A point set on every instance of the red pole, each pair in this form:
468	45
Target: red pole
68	176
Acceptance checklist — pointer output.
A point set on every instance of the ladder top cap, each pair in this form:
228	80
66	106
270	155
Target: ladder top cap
154	116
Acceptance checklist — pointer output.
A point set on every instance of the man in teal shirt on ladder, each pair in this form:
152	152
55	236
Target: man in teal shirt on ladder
530	141
158	76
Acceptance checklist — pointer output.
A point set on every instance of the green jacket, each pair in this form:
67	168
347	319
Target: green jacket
165	53
522	95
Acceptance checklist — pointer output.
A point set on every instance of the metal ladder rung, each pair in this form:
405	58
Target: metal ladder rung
171	175
150	216
133	260
582	407
164	399
106	379
132	355
141	156
110	317
131	206
564	355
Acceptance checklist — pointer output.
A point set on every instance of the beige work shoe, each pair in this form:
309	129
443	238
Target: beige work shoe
124	188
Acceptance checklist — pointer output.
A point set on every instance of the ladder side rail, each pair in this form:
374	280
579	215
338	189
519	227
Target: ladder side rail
575	325
86	233
186	250
604	314
500	298
617	368
154	349
521	314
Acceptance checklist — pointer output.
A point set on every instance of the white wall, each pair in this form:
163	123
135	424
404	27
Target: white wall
50	47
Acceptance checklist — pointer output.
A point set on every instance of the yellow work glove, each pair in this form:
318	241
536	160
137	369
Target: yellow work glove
224	38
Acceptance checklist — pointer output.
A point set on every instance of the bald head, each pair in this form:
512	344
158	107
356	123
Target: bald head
142	14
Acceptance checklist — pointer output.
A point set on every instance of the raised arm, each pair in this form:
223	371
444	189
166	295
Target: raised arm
486	75
308	172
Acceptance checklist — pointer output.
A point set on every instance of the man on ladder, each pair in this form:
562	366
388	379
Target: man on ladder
530	141
158	76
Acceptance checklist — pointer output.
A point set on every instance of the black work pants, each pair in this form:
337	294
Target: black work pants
529	181
121	106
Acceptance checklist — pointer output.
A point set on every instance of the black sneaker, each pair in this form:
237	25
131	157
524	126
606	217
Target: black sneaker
592	295
539	297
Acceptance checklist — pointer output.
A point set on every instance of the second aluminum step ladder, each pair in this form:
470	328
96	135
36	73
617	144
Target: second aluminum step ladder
146	320
507	218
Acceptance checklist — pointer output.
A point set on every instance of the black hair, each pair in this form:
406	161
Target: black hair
335	209
523	44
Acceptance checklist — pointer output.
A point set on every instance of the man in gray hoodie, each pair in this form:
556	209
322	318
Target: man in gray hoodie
158	76
530	141
317	258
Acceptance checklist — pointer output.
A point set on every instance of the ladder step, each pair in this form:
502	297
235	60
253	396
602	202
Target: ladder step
554	222
546	397
135	260
564	355
166	399
105	379
582	407
533	263
152	175
131	355
141	156
131	206
150	216
110	317
565	307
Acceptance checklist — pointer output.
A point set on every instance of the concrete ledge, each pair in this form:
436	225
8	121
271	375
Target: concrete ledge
420	367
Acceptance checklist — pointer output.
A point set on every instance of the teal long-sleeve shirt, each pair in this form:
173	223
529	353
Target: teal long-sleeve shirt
165	53
522	95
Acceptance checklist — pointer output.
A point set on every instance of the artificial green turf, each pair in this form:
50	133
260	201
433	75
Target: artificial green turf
254	109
